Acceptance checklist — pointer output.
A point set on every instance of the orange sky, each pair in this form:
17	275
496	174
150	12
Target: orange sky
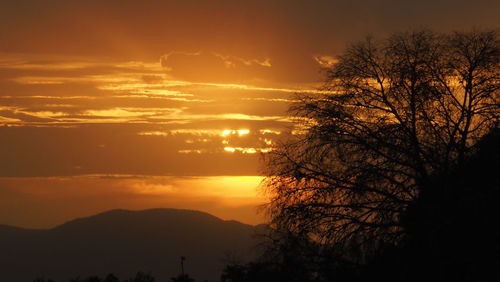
140	104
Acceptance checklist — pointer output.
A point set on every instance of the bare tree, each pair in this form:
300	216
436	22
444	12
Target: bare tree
393	114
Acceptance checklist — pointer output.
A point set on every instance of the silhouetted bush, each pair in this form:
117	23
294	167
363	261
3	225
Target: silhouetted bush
111	278
43	280
182	278
139	277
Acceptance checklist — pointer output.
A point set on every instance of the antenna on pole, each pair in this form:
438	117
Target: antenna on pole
182	264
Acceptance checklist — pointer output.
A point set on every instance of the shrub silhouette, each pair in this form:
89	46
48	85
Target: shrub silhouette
182	278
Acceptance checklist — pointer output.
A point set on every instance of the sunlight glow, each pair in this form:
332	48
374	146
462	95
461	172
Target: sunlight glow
243	132
240	132
190	151
268	141
152	133
269	131
226	132
246	150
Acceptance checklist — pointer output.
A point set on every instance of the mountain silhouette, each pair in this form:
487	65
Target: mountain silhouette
123	242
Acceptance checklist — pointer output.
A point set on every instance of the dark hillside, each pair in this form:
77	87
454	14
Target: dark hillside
123	242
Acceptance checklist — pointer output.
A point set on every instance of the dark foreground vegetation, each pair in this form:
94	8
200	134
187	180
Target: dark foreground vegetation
451	235
139	277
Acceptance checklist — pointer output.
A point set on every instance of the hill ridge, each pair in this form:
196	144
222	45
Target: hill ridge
124	242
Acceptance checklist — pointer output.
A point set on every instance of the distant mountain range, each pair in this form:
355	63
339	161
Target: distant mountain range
123	242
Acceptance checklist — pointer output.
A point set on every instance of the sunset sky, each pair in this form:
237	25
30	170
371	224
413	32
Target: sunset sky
139	104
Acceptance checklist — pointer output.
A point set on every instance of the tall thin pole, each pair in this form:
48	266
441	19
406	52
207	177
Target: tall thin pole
182	264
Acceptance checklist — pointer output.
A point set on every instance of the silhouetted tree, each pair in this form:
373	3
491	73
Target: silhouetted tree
392	116
182	278
451	228
43	280
111	278
93	279
453	225
285	256
143	277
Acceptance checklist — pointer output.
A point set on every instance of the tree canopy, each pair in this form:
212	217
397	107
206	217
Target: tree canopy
392	115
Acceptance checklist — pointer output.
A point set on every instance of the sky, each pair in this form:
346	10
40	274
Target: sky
139	104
